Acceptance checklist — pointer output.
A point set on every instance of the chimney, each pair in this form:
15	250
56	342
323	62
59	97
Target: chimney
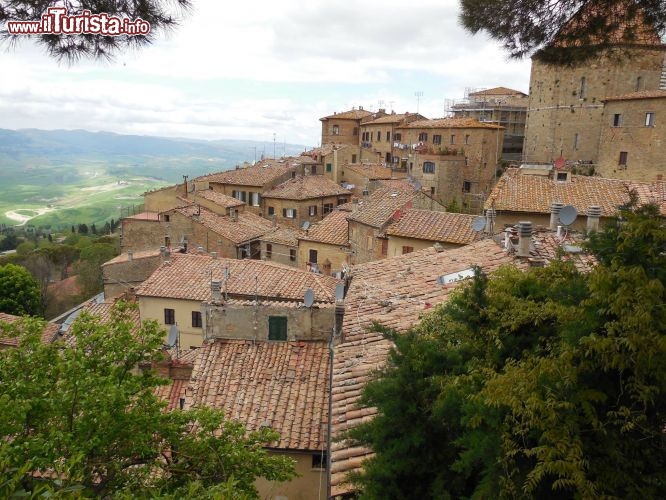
524	238
213	255
216	290
490	220
200	249
593	214
555	208
339	318
234	214
130	255
354	204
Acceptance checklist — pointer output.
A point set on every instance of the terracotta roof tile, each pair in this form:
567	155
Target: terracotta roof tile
643	94
435	226
516	192
218	198
246	225
332	229
324	150
283	236
188	277
370	170
395	118
497	91
257	175
145	216
283	385
378	208
354	114
395	292
304	187
49	333
451	123
138	255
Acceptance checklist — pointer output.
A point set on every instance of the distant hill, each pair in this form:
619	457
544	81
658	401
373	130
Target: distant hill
61	177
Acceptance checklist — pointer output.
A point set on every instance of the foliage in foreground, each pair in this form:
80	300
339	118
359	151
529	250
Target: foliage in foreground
539	384
79	419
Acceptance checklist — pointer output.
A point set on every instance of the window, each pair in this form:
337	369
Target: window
196	319
269	251
467	186
312	256
342	200
167	218
623	158
436	139
271	210
432	190
649	119
277	328
169	317
639	83
379	136
239	195
320	460
353	159
428	167
355	131
336	130
314	169
453	139
423	137
575	141
312	210
292	255
328	167
617	120
397	137
369	241
562	176
289	213
467	137
406	249
255	199
388	136
328	208
583	88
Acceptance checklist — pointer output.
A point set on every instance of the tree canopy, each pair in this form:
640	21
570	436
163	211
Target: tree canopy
80	416
19	292
563	31
540	384
163	15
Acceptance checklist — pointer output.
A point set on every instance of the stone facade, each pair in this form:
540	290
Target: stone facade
566	103
330	259
379	136
343	128
633	139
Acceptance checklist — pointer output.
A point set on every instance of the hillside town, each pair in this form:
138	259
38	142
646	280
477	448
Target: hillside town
268	277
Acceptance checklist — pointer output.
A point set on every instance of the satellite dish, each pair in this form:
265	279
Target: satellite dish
306	225
309	297
417	186
172	340
568	214
339	291
479	224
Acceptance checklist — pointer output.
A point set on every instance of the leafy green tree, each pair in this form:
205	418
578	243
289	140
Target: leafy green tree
526	28
538	384
84	414
9	242
19	292
89	270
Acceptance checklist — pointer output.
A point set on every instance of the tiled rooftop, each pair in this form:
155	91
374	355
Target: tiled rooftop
395	292
497	91
517	192
395	118
642	94
218	198
49	333
153	216
138	255
256	175
245	227
283	236
332	229
435	226
188	277
282	385
324	150
450	123
651	193
354	114
304	187
378	208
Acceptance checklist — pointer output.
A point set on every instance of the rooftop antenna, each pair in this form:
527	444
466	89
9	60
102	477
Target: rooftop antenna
309	297
274	145
418	94
391	103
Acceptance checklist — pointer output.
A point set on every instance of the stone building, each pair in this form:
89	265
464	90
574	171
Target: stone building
632	135
343	128
329	157
325	246
281	246
566	102
501	106
379	137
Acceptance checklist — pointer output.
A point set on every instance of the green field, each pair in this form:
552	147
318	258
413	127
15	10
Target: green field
71	195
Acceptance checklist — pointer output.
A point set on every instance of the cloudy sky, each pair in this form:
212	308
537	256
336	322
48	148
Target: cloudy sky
247	70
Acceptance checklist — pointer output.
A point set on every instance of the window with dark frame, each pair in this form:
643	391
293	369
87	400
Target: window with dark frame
269	251
320	460
292	255
617	120
196	319
312	210
271	210
388	136
428	167
467	186
277	328
328	167
624	156
312	256
406	249
423	137
649	119
328	208
169	317
436	139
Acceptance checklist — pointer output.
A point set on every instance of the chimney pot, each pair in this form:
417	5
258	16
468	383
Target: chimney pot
555	208
593	215
525	237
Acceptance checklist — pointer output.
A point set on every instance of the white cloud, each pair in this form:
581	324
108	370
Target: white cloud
248	70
